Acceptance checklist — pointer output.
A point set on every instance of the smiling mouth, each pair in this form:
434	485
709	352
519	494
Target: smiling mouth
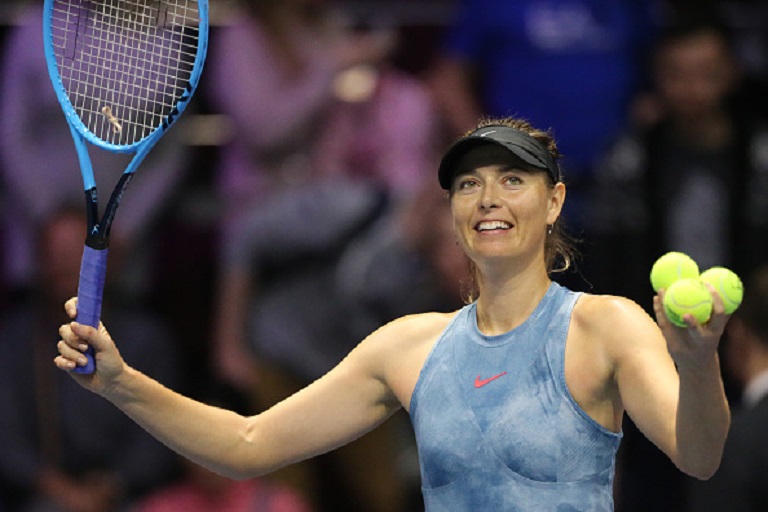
492	225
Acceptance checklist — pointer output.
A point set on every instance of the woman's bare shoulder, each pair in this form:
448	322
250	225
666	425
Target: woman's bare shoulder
412	329
597	309
421	323
619	321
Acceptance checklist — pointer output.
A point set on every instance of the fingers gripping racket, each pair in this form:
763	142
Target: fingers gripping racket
124	71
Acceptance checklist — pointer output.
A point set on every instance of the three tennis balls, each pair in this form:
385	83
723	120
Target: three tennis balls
685	289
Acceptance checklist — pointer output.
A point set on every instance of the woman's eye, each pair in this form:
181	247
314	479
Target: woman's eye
512	180
465	184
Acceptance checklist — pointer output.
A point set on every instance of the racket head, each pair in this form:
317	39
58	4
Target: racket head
124	70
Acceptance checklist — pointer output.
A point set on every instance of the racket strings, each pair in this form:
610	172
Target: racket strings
125	64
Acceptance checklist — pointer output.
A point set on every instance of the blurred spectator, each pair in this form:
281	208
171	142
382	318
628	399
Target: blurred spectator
570	64
741	483
278	90
280	265
747	19
327	136
273	70
695	181
409	262
201	490
60	444
743	22
40	169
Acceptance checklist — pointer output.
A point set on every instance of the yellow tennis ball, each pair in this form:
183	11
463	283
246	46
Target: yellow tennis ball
687	296
671	267
727	284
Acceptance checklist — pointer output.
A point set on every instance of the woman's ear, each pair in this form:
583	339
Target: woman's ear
556	200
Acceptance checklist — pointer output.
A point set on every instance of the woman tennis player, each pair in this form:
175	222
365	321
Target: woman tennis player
516	399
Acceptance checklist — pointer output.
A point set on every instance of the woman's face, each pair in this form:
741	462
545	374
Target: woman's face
499	210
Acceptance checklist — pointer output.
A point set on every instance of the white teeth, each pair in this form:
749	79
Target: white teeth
495	224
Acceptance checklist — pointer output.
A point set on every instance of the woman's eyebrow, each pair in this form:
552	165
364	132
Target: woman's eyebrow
515	168
501	168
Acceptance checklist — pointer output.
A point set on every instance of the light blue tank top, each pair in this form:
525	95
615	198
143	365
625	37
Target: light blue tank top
497	428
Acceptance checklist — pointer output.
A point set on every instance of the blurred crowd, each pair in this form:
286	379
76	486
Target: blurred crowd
295	208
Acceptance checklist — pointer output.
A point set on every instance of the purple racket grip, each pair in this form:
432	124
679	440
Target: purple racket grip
93	269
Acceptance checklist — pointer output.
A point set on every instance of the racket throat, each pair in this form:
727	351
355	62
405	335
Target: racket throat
99	230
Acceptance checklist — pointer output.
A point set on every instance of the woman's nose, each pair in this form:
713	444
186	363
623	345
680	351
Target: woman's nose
489	198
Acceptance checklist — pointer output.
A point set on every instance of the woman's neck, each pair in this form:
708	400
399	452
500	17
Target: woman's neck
504	304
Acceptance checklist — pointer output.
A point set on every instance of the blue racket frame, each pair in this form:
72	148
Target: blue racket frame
94	261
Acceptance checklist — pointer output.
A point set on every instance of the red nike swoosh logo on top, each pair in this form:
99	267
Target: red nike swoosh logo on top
482	382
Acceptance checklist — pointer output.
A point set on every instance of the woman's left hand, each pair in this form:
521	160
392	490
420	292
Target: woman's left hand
696	343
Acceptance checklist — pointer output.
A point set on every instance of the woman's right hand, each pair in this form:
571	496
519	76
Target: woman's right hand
75	340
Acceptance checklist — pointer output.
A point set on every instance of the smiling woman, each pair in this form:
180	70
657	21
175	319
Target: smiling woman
517	399
502	209
525	155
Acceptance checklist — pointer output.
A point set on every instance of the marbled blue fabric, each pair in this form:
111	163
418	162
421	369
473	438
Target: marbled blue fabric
496	426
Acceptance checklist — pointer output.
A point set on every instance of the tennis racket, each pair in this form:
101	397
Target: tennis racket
123	71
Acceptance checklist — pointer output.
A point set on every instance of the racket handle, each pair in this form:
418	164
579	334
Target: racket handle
93	270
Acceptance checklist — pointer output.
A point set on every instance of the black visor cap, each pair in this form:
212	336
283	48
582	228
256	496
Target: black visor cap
520	144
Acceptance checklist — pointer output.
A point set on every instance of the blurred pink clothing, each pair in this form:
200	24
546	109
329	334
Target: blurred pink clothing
388	138
244	496
290	130
274	117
